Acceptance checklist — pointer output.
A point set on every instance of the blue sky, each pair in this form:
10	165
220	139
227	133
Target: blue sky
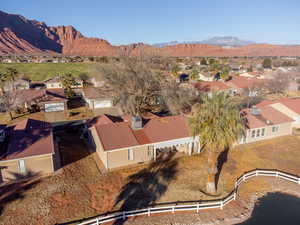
155	21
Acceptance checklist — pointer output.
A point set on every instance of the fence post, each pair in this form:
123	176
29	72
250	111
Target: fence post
244	177
124	216
173	209
198	207
234	195
98	221
276	174
221	206
256	173
149	212
298	180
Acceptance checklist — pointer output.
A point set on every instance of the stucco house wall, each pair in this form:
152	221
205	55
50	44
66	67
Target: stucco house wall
119	158
52	85
38	165
283	129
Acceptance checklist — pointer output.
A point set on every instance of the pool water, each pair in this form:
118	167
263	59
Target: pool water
275	209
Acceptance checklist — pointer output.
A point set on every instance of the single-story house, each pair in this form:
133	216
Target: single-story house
121	142
264	123
238	84
97	98
55	82
205	77
53	100
288	106
30	150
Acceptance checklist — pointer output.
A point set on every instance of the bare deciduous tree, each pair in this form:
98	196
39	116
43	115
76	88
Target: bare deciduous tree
278	84
140	87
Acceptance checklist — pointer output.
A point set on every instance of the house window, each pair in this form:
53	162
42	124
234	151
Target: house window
130	154
22	168
275	129
263	132
253	134
257	132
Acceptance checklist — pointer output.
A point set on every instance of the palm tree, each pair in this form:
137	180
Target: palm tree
218	123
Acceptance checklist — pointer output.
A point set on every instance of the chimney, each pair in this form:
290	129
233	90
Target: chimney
136	122
255	111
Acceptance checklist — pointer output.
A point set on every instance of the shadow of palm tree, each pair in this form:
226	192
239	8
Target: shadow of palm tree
148	185
222	159
16	187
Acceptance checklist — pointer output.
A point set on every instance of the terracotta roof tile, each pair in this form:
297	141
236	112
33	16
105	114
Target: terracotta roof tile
268	116
29	138
157	129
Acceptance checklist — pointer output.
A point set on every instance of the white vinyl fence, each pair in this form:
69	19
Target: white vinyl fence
192	206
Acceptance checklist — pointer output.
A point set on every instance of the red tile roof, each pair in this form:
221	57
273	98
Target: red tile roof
98	93
156	129
268	116
244	82
211	86
53	95
291	103
29	138
116	135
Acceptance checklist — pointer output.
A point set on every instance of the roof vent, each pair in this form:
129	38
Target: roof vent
136	122
255	111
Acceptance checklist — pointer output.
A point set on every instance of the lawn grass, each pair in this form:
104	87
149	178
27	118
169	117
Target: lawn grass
42	71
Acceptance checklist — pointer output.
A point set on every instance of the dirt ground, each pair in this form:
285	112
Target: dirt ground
79	190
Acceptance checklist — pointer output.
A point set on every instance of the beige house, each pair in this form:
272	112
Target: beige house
55	82
53	100
122	142
97	98
265	123
287	106
30	150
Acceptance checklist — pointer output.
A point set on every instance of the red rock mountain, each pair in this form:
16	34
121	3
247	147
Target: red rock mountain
19	35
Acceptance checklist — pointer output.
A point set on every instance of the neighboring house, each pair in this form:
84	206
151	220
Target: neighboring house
214	86
53	100
238	84
120	142
98	97
264	123
205	77
55	82
288	106
31	149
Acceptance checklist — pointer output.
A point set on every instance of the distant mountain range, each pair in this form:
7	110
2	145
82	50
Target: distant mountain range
19	35
219	41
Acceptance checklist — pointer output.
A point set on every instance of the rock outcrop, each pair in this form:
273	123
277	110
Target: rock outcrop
19	35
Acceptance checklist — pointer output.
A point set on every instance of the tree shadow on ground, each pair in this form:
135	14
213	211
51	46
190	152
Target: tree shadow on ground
17	187
222	159
145	187
275	209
